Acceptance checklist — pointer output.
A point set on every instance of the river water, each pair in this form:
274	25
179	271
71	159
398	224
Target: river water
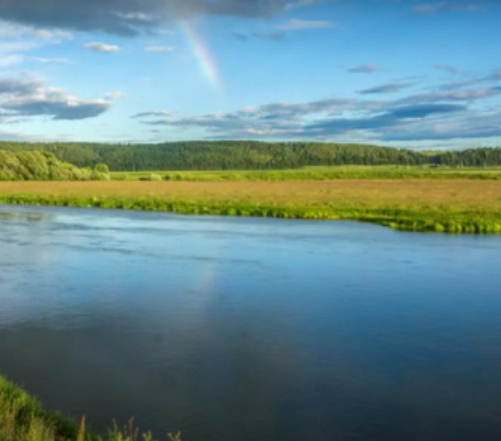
234	329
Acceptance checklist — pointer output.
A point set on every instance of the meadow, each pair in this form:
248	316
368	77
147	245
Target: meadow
453	206
316	173
22	418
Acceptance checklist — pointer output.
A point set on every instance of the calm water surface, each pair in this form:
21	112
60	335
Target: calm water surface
252	329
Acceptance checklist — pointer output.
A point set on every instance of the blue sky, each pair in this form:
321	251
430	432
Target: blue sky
410	73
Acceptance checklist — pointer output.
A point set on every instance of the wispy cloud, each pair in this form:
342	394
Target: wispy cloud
302	3
11	60
9	136
433	8
447	68
159	49
454	95
51	60
18	46
493	77
281	31
115	96
153	113
102	47
12	50
239	36
365	68
12	29
9	55
299	25
443	114
272	36
386	88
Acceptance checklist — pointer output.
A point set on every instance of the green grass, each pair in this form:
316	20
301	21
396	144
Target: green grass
316	173
409	218
22	418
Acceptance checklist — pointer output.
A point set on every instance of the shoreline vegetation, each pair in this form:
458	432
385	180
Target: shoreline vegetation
22	418
458	206
451	192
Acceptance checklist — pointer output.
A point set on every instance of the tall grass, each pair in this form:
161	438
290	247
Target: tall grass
22	418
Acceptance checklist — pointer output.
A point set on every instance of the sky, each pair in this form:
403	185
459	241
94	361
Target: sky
419	74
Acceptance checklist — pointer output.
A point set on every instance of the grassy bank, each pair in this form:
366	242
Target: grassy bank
22	418
316	174
458	206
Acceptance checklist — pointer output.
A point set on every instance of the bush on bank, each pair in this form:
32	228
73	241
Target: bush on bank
44	166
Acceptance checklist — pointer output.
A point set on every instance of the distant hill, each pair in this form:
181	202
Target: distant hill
247	155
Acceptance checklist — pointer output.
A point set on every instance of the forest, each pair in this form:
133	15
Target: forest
249	155
44	166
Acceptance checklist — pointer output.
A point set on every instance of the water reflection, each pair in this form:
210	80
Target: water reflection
253	329
24	216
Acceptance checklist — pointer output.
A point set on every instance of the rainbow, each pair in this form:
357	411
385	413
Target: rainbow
202	54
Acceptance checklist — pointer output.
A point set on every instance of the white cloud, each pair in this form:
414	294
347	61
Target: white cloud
30	96
102	47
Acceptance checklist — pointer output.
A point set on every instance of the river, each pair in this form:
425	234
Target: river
243	329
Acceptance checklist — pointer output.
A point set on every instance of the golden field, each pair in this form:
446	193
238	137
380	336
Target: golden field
461	194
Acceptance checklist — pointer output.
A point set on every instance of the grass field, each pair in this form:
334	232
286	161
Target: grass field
455	206
317	173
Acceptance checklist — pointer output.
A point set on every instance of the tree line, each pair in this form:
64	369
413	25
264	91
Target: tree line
248	155
34	165
479	157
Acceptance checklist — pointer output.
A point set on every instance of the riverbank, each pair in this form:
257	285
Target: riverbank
22	418
453	206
